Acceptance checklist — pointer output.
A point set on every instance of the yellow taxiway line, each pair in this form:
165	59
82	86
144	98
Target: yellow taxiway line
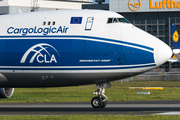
147	88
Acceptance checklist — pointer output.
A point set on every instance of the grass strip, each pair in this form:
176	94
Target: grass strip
91	117
118	92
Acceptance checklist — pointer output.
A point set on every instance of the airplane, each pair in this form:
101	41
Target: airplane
176	44
74	47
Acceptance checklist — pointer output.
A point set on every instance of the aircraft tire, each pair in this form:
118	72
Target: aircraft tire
104	103
97	102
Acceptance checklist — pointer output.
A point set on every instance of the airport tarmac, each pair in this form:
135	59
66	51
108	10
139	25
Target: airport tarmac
171	107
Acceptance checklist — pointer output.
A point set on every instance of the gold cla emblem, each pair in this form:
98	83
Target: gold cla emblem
175	36
135	6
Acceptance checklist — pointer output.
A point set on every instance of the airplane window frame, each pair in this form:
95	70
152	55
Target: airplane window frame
109	20
44	23
117	20
123	20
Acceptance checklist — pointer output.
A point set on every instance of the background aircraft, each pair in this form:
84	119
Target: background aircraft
176	44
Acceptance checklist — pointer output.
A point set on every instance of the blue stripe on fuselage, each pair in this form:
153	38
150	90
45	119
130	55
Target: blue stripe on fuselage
104	68
89	37
71	52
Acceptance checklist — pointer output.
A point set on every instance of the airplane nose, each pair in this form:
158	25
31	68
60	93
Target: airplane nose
164	53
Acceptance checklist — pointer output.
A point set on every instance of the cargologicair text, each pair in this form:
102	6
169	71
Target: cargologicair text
35	30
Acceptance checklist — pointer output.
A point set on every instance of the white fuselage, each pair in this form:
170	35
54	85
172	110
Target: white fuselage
74	47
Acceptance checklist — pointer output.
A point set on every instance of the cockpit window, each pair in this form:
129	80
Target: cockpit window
110	20
117	20
123	20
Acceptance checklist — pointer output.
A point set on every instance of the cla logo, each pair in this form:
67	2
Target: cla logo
134	6
175	36
40	53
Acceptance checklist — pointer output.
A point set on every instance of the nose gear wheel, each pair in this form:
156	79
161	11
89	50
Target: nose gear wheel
97	102
100	100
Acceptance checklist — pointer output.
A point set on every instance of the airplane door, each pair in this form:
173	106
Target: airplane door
89	23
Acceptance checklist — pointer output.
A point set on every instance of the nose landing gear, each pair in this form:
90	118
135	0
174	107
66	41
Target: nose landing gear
100	100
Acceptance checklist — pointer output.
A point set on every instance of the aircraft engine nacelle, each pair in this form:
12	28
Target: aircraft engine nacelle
6	92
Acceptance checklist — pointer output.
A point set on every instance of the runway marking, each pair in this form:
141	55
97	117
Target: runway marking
168	113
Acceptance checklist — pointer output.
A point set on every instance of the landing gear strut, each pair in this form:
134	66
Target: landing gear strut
100	100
